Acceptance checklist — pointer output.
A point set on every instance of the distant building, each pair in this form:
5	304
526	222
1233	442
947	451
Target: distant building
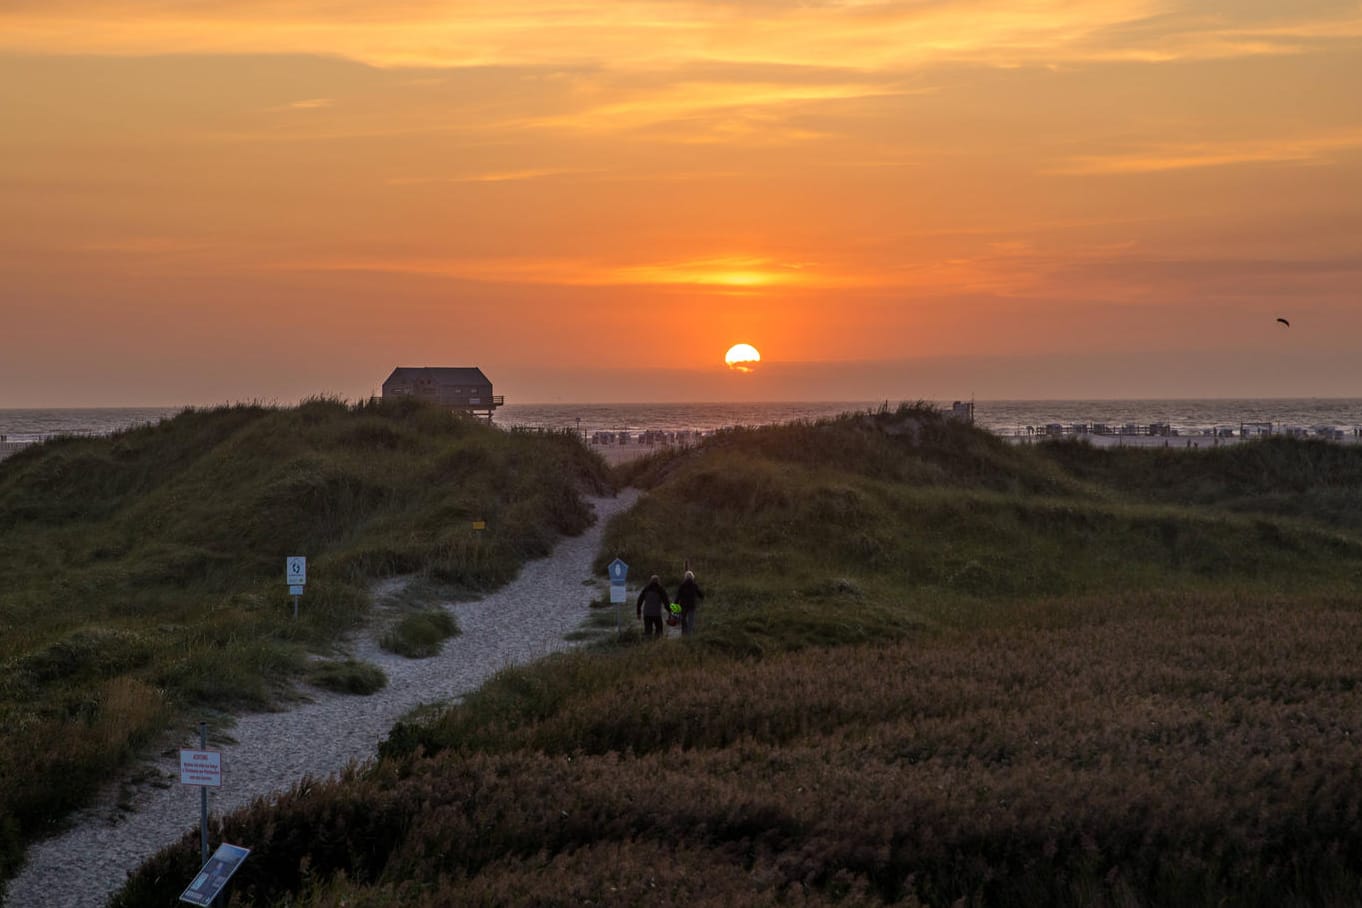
963	411
459	388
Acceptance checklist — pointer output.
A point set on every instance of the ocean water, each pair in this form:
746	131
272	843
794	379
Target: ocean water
1002	416
34	424
1005	417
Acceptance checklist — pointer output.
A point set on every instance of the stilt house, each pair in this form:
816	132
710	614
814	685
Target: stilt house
459	388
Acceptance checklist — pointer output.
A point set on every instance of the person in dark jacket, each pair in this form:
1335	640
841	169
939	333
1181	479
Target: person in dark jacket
652	607
688	596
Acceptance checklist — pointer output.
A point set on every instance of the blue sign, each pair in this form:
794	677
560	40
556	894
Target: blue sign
618	570
295	591
214	875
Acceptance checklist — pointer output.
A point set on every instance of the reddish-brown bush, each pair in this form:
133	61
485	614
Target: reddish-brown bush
1168	751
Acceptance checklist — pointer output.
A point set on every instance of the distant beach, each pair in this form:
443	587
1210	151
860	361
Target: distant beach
1152	422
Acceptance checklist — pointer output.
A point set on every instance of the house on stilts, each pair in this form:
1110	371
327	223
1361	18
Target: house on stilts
458	388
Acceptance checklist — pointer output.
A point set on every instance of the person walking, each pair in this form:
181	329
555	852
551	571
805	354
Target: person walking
652	606
688	596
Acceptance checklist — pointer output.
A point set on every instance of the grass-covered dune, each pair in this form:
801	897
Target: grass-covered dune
144	573
931	668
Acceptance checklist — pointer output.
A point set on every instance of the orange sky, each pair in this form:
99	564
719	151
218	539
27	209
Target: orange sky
265	199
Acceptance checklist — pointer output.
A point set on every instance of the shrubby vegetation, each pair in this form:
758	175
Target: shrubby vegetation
932	669
1093	764
347	676
418	635
144	572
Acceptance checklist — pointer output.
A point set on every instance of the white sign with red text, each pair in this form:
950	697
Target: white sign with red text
201	767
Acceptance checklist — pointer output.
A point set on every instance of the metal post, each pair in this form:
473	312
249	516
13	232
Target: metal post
295	608
203	802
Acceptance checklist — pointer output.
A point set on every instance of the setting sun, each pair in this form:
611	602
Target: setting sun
742	357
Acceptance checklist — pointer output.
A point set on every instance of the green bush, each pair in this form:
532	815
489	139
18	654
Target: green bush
419	635
348	676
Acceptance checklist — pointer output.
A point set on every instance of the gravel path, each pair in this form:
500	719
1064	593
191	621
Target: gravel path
521	622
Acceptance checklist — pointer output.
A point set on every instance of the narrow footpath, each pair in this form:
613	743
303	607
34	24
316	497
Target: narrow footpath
521	622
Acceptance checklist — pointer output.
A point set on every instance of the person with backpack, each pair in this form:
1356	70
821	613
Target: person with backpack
688	595
652	607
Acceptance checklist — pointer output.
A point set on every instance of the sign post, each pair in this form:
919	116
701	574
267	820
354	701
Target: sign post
295	572
618	571
202	767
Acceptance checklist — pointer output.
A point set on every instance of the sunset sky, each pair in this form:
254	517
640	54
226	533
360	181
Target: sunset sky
204	202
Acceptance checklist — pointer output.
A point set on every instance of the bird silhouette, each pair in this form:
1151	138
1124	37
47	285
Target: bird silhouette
1284	322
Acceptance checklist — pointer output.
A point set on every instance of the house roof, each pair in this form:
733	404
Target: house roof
441	375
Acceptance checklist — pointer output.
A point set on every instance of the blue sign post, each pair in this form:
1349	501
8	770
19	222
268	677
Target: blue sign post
618	571
295	571
214	875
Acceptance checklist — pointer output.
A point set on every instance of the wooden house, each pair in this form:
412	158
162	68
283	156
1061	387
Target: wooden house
459	388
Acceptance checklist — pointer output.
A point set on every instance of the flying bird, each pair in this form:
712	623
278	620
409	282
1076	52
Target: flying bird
1284	322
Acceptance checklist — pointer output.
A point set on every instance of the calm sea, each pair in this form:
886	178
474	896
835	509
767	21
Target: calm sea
1002	416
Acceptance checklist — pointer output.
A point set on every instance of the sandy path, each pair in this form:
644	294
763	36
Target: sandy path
521	622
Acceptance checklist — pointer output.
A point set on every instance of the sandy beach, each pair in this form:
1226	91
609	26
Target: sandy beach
618	454
1187	442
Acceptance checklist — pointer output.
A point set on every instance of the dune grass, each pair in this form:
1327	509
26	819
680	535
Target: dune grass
419	635
931	669
144	572
347	676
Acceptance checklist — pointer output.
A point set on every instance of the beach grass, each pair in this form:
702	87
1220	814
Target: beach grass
347	676
419	635
931	669
144	572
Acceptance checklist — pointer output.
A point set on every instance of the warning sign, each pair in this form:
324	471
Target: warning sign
201	767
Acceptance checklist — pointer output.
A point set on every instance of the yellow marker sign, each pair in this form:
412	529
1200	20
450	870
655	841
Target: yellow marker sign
479	524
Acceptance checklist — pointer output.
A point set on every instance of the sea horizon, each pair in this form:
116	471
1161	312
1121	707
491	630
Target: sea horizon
1188	415
631	403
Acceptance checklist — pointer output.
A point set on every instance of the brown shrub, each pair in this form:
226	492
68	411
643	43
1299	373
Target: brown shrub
1162	751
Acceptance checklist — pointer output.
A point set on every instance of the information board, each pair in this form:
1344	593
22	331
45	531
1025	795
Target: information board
214	875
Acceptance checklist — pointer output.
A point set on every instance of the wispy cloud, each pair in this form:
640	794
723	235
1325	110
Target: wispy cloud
503	176
306	104
1185	156
625	33
694	101
726	272
731	272
146	245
